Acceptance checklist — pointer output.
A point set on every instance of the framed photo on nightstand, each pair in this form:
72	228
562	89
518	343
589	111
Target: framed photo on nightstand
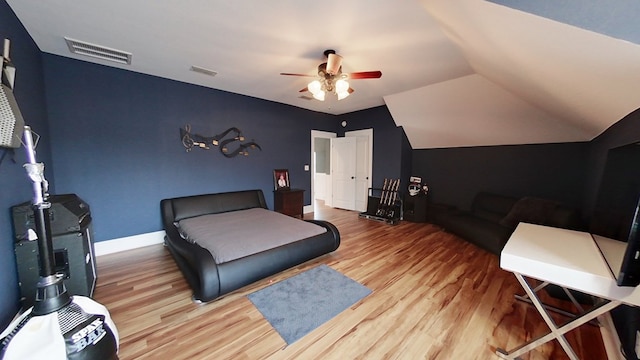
281	179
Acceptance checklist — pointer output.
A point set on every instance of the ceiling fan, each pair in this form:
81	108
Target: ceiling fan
330	78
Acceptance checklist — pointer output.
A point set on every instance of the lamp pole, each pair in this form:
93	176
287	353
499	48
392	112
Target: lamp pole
51	293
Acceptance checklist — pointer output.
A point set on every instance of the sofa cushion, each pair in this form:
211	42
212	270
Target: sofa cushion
565	217
487	234
492	207
530	210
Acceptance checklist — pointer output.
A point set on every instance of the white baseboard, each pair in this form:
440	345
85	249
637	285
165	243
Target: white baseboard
128	243
137	241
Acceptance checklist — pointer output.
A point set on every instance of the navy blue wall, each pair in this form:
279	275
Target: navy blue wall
406	167
568	172
116	144
15	187
455	175
625	131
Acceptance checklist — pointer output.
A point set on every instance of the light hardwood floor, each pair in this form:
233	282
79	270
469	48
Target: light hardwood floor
435	296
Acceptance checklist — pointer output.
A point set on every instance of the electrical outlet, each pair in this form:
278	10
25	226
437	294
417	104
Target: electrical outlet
306	167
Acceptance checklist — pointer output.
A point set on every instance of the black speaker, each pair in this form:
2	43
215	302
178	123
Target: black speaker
68	213
415	208
74	258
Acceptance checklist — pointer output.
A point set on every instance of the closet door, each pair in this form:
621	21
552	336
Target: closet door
363	165
343	172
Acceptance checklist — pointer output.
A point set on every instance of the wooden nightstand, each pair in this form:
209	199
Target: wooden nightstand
289	202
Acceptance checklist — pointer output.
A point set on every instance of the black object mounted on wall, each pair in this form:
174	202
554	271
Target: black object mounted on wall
190	140
11	121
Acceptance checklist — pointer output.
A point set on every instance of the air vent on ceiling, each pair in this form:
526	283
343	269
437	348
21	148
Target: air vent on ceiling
97	51
202	70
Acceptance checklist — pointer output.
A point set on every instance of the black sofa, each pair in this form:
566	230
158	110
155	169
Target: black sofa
210	279
493	218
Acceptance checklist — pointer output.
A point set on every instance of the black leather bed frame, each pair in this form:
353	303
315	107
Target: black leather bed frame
210	280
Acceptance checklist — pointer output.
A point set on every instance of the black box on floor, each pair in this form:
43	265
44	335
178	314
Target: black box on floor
415	208
72	240
73	258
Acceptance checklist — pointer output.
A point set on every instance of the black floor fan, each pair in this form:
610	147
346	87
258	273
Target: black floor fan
58	326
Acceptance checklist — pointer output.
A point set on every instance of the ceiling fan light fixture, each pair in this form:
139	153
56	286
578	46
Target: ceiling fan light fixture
319	95
314	86
342	94
330	78
342	86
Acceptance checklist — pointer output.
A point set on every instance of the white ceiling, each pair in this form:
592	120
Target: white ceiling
455	73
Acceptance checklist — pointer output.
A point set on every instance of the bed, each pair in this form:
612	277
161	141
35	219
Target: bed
222	242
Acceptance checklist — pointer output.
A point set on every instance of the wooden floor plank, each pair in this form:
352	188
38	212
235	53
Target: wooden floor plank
435	296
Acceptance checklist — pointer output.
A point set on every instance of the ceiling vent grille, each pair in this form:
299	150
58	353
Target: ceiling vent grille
202	70
97	51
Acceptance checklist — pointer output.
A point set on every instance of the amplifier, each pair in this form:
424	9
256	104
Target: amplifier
68	213
74	258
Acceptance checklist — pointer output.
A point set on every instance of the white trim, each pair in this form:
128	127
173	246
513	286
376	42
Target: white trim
610	337
137	241
324	135
128	243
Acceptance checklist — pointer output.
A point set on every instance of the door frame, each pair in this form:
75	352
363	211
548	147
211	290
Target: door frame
328	135
323	135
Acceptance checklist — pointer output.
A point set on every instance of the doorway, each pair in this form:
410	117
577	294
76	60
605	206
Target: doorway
322	177
320	167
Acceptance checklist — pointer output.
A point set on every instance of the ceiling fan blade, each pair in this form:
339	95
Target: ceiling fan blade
365	75
305	89
292	74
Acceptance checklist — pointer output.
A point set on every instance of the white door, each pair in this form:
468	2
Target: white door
343	172
364	154
362	173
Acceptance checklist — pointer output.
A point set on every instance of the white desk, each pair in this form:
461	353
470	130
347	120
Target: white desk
570	259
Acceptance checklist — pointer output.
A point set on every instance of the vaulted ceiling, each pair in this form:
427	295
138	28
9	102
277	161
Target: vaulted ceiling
455	73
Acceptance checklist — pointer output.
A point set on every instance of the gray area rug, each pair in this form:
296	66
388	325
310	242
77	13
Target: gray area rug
296	306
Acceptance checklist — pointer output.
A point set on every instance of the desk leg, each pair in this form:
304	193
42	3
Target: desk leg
575	302
556	333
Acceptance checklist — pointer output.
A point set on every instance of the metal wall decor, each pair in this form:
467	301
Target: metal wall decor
225	143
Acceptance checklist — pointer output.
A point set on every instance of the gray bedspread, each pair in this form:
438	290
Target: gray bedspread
236	234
